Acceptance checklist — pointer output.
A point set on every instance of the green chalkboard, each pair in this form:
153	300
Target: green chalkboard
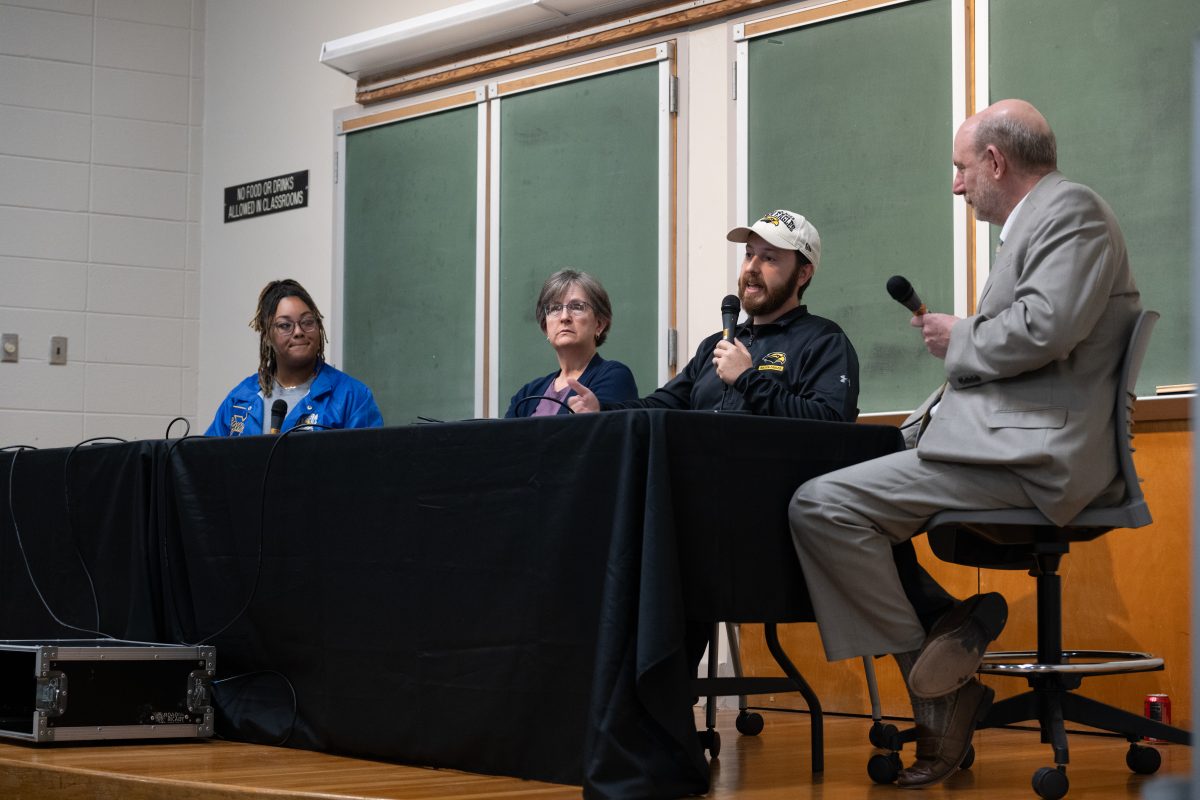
1111	76
850	124
579	188
410	256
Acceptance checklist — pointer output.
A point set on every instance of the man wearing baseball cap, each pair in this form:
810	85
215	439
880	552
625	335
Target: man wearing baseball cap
782	361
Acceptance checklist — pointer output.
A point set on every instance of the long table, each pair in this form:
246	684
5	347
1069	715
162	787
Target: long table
506	597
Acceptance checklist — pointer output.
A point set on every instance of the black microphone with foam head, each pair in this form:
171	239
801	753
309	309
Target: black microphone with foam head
730	308
904	294
278	412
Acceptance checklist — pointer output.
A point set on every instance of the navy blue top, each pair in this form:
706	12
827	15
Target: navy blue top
802	366
611	381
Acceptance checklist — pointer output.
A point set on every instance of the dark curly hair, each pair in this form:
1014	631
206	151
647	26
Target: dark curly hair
264	315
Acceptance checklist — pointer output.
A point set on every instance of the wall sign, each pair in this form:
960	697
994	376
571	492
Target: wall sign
258	198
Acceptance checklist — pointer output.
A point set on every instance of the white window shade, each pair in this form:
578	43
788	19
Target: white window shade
453	30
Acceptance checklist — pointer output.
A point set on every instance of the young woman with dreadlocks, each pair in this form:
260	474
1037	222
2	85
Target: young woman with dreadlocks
292	368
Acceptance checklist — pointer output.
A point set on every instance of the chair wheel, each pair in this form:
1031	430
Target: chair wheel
884	768
883	735
969	758
711	741
1143	760
1050	783
749	723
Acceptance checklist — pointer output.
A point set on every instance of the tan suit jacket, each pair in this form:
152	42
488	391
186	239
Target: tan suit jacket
1031	377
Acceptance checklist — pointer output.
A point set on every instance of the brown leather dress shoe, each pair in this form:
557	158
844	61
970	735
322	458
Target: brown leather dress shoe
939	752
955	646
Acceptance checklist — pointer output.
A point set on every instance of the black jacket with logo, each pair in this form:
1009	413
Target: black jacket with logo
803	366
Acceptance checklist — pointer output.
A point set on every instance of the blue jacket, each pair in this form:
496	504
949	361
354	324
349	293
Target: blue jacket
334	400
612	382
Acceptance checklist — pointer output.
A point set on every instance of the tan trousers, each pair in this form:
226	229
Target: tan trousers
844	524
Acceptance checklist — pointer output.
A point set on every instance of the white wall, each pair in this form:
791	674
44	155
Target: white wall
100	131
268	111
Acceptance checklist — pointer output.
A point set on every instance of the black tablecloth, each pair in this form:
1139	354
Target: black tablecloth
81	518
504	597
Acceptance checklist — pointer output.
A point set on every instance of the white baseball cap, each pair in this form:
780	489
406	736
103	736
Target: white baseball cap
784	229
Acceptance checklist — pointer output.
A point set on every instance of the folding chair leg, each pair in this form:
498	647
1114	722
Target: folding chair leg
748	723
710	737
710	706
733	633
873	689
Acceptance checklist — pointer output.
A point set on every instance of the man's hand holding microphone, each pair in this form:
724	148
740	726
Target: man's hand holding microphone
935	328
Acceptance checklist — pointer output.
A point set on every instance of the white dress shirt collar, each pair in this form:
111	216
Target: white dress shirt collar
1008	223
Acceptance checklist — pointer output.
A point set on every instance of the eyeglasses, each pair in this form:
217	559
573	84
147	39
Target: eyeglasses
284	327
576	308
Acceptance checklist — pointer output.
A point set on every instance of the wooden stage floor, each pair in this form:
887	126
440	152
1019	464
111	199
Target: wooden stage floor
773	765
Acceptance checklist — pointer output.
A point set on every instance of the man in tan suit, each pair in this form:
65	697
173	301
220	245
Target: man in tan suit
1025	419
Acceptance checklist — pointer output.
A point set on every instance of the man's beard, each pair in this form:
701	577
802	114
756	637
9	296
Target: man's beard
986	202
774	298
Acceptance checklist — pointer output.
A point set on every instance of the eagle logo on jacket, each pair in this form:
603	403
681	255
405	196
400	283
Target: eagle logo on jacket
772	362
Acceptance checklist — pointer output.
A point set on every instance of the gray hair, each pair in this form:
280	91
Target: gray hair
560	282
1030	149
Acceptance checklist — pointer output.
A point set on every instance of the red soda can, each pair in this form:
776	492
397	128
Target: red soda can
1158	708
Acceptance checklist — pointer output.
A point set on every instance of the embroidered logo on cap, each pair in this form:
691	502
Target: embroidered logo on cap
777	218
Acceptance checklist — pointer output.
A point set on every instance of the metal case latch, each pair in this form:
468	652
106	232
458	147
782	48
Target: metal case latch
52	693
198	700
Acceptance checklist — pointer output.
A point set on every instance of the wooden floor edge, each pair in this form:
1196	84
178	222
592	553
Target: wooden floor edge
773	766
59	782
223	770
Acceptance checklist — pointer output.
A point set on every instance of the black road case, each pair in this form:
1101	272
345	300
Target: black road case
81	690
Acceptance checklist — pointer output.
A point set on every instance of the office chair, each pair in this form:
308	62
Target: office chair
1025	539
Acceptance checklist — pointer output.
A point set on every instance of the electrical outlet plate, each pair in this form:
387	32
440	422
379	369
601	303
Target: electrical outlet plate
9	347
58	349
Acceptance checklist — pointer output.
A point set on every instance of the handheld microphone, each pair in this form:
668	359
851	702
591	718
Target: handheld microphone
278	412
904	294
730	307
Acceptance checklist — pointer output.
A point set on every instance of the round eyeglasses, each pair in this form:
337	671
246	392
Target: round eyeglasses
284	327
576	308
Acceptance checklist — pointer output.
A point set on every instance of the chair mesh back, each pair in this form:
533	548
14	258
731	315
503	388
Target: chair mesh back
1135	352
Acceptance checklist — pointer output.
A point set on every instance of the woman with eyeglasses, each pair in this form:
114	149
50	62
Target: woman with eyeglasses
574	312
292	369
